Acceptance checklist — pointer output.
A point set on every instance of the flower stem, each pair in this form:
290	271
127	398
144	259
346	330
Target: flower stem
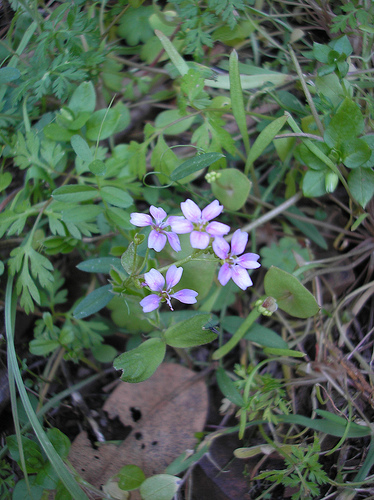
239	334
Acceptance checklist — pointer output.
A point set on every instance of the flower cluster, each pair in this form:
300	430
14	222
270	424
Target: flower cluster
203	231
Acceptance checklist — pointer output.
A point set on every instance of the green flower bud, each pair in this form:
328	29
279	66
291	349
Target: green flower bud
331	181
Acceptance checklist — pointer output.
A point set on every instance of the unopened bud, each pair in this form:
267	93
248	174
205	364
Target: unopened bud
331	181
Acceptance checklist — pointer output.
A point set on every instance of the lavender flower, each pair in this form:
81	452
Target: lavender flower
198	223
156	283
157	237
234	266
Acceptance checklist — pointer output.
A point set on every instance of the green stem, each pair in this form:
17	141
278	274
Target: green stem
239	334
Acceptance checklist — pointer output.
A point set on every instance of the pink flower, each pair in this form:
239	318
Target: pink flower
156	282
157	237
235	267
198	223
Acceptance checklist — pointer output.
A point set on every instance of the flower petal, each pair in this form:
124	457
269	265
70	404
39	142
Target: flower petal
224	274
150	303
221	248
154	280
180	225
174	241
140	220
249	261
158	214
199	240
173	276
241	277
156	240
217	229
191	211
212	210
238	242
186	296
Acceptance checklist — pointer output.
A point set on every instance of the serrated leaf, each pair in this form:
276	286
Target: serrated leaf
194	164
189	333
74	193
94	302
140	363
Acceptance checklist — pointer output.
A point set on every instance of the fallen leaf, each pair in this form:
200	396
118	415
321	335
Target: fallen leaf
164	412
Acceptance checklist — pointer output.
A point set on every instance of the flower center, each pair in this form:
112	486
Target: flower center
200	226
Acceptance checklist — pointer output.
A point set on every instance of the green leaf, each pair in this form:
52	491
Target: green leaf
327	426
222	81
160	487
228	388
129	260
264	139
345	125
194	164
104	353
355	153
55	132
97	167
102	124
314	183
9	74
361	185
265	337
116	196
164	118
231	188
306	228
81	213
5	180
237	102
291	296
42	346
83	98
32	451
172	52
74	193
189	333
140	363
94	302
60	442
284	352
99	265
130	477
81	148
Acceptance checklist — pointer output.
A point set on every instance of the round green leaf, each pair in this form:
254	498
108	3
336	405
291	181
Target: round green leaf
130	477
361	184
140	363
102	124
232	188
355	153
159	487
97	167
314	183
8	74
291	296
83	98
104	353
345	125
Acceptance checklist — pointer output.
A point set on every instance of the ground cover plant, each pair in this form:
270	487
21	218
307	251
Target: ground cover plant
187	232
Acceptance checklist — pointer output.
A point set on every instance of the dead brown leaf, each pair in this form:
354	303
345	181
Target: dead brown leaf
164	412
